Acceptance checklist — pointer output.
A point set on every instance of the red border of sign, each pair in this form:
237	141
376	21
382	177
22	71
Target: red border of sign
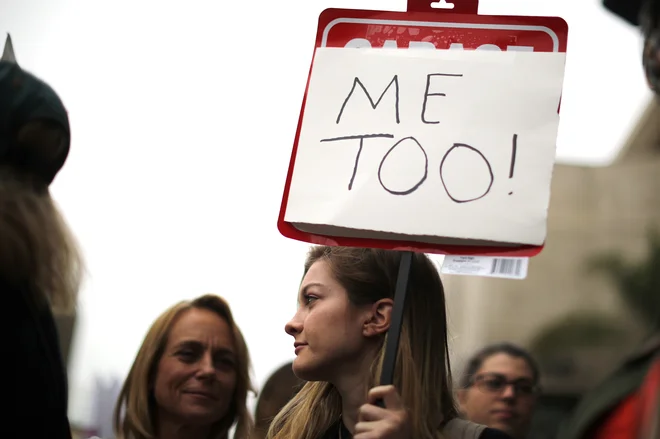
329	18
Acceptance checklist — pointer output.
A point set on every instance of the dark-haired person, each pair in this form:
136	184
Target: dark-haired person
626	405
646	15
499	389
278	390
40	265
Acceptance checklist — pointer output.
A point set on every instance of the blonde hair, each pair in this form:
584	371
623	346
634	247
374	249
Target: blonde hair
136	397
38	253
422	371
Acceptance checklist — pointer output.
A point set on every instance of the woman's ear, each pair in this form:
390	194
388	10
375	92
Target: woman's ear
379	318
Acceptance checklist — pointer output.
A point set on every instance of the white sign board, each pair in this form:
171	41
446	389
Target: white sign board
436	146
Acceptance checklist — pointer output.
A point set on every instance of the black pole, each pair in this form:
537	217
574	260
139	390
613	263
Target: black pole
394	333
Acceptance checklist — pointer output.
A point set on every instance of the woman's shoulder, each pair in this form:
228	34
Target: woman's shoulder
491	433
461	428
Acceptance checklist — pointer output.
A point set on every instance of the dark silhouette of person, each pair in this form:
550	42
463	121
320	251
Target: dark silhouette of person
40	265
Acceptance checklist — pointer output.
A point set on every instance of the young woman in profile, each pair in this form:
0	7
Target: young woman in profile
345	306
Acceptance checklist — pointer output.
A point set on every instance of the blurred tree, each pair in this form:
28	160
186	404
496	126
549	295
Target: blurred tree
579	330
573	353
574	349
638	283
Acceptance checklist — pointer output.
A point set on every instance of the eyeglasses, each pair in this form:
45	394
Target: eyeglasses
496	383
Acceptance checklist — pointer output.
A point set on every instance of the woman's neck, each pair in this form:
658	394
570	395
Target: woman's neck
353	396
168	429
353	387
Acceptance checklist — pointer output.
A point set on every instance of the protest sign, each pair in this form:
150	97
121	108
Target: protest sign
439	146
445	151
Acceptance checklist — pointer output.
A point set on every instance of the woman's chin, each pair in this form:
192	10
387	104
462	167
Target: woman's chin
200	416
306	370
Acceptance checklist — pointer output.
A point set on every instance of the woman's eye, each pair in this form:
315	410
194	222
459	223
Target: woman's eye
224	363
186	355
309	299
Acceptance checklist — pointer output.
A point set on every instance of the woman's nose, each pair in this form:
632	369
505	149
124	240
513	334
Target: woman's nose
293	326
206	366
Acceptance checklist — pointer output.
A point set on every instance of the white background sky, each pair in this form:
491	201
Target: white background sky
183	116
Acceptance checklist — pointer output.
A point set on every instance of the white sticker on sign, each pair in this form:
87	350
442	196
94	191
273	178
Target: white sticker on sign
444	146
508	268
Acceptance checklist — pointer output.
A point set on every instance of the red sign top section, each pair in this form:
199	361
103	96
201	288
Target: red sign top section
455	6
360	28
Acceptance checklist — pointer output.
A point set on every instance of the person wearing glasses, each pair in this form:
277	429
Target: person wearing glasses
499	389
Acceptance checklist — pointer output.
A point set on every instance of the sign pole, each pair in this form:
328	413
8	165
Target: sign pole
394	332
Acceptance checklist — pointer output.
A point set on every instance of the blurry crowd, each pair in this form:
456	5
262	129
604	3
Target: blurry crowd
499	387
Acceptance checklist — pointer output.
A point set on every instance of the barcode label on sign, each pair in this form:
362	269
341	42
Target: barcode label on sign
508	268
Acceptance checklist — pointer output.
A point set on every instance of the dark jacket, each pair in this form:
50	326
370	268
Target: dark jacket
37	402
333	433
604	398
